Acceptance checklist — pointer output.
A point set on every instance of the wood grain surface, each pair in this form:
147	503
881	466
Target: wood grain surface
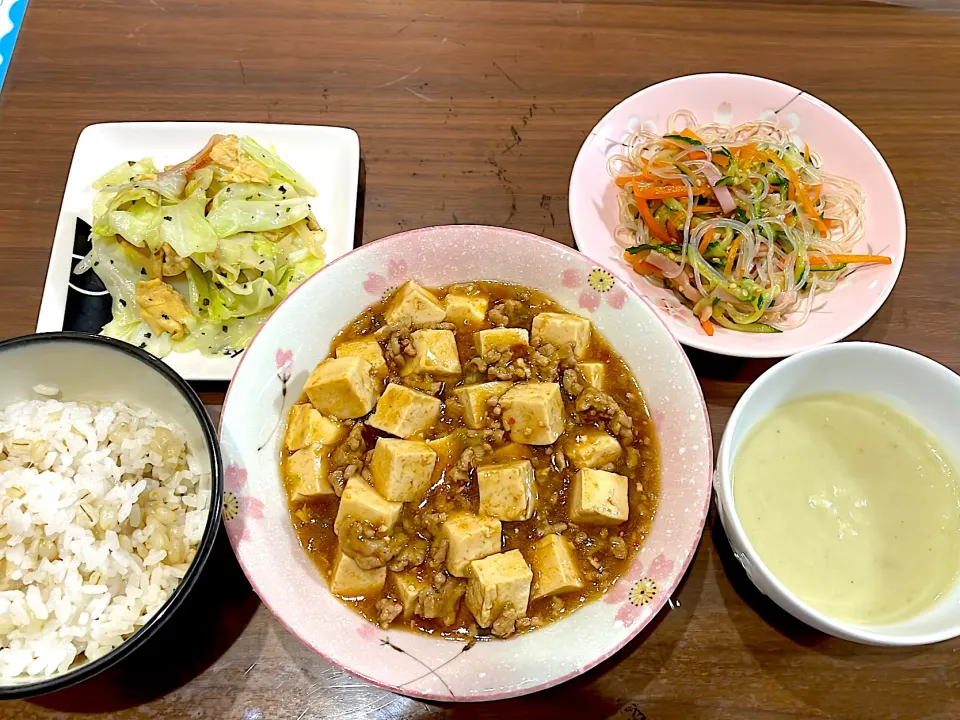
472	111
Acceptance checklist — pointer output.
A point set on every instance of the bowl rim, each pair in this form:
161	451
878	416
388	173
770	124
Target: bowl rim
682	566
701	343
210	530
723	486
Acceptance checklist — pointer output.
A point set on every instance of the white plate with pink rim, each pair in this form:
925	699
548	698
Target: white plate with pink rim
298	335
734	99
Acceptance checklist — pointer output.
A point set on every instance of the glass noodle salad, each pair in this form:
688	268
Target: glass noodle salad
197	255
740	222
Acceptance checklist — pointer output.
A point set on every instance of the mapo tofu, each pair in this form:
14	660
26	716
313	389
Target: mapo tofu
471	461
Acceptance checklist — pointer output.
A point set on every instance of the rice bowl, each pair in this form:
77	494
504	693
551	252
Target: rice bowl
109	505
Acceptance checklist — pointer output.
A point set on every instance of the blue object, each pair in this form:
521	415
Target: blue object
9	28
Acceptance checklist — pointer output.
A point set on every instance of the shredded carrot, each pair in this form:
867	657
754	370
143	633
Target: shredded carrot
655	228
639	265
806	153
688	133
707	327
817	189
650	191
732	255
832	222
707	239
706	208
720	160
827	260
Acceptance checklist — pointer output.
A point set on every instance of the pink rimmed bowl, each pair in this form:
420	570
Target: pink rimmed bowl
734	99
298	335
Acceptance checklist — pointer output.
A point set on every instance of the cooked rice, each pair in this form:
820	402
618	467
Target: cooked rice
101	510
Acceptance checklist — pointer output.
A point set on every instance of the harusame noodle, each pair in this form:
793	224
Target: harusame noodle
742	223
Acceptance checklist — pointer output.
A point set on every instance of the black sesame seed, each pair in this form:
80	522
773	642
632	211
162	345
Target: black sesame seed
167	218
278	214
283	190
143	345
131	163
224	328
147	335
164	316
123	303
206	301
96	264
277	205
143	271
111	262
242	317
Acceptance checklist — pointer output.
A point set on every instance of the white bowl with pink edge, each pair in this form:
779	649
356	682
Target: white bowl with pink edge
298	335
732	99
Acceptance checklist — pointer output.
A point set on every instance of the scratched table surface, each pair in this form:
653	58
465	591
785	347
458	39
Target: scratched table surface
473	112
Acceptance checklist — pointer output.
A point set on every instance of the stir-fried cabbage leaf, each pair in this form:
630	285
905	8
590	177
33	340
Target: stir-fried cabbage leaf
216	256
237	216
276	165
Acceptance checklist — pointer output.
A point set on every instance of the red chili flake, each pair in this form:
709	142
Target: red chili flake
511	421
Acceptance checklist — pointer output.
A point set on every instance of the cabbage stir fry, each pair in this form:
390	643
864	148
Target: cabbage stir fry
197	255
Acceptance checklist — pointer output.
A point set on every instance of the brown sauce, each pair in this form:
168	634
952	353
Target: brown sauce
602	553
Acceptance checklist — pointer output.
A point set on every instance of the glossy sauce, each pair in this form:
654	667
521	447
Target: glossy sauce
313	520
852	505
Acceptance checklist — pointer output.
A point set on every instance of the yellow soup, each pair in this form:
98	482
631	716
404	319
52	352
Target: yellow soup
852	505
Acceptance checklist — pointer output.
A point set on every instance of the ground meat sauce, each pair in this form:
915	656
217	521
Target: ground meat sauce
415	543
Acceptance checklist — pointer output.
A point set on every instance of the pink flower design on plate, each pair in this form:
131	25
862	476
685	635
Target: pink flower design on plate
600	285
366	631
238	509
377	284
284	364
638	588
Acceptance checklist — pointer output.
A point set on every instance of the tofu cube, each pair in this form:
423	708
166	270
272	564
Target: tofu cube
598	498
498	583
414	304
593	373
362	503
470	538
474	398
533	413
401	469
308	427
369	350
555	569
407	587
448	449
507	490
342	387
405	412
466	309
560	329
307	471
499	338
591	448
436	354
349	580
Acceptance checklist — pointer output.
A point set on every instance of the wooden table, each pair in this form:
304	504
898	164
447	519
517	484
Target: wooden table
473	112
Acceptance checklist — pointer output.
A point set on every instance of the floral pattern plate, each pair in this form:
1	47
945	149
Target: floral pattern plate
298	335
734	99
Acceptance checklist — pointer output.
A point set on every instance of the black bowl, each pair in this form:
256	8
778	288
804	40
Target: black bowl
91	367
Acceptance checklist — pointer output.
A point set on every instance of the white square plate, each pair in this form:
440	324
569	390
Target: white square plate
329	157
